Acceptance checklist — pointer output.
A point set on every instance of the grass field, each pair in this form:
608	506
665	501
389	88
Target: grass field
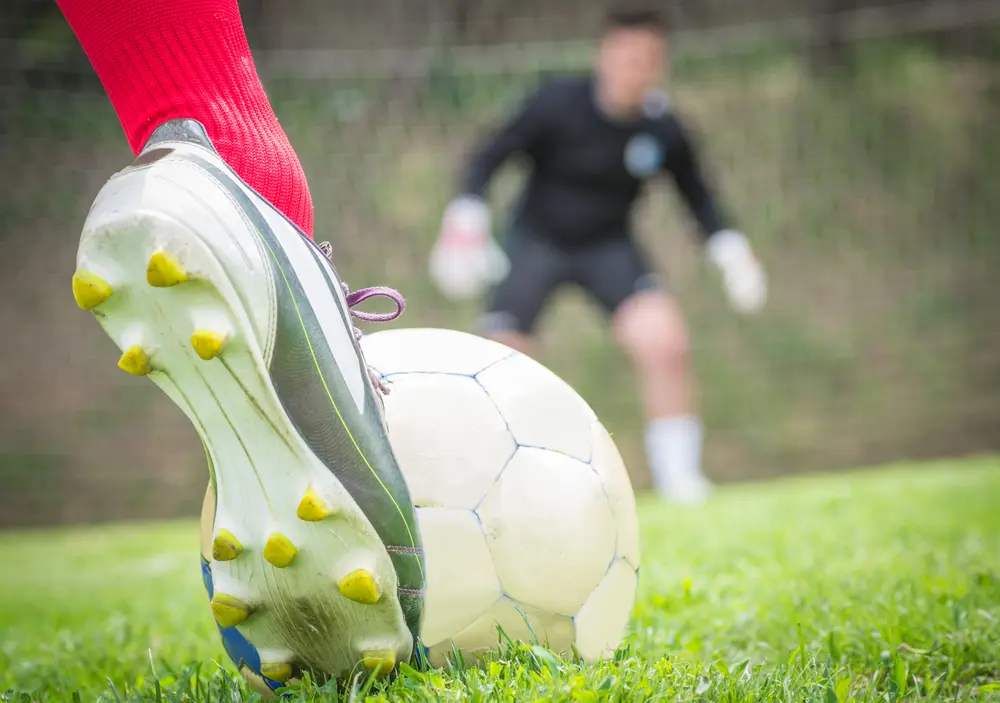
872	586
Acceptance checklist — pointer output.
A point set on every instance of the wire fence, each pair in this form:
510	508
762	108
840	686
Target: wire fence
862	160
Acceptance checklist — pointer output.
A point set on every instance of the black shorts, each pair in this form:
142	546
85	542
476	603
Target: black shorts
609	271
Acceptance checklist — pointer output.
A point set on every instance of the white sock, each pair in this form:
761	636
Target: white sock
673	448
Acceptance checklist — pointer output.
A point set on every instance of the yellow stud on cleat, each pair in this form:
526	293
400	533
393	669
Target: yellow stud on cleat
207	344
90	290
312	508
279	550
380	661
135	360
229	611
276	671
164	271
360	587
225	547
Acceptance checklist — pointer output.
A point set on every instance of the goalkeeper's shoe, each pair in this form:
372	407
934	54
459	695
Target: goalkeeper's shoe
243	321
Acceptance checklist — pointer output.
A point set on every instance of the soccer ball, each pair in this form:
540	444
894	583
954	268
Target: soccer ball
524	505
525	508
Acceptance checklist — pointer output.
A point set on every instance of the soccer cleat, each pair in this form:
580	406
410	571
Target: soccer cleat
164	271
229	611
135	360
225	547
359	586
207	344
380	661
312	508
90	290
276	671
279	551
202	268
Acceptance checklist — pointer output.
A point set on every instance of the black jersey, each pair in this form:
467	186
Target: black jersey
587	170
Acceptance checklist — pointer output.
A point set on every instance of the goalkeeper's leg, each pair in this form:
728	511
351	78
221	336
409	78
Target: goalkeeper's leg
649	326
536	270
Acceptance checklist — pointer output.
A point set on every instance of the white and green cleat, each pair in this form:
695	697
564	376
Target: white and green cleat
242	320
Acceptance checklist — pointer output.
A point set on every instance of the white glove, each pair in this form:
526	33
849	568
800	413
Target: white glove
466	260
742	275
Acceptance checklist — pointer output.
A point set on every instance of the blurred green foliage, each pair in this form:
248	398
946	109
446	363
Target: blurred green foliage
870	194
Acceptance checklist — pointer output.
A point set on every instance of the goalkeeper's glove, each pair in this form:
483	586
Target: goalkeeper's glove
742	275
466	260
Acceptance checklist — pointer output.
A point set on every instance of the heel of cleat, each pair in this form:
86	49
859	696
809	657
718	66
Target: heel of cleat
312	508
225	546
135	361
379	661
90	290
164	271
207	344
360	587
279	550
229	611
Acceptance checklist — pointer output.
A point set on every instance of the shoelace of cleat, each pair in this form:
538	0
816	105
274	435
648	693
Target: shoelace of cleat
359	296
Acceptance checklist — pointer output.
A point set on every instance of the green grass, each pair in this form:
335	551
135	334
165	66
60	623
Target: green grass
871	586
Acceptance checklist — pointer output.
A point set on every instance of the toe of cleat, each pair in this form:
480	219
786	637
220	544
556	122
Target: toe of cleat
225	546
279	550
229	611
312	508
360	587
379	661
164	271
135	360
276	671
89	289
207	344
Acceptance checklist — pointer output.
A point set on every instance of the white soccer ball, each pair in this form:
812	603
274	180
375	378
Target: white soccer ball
524	505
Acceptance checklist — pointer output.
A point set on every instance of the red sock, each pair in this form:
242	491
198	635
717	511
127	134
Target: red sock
163	59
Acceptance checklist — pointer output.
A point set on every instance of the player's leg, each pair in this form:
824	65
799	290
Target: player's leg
162	60
650	328
536	270
196	262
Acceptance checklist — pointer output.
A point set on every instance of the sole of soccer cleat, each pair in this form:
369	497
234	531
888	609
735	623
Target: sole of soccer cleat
296	566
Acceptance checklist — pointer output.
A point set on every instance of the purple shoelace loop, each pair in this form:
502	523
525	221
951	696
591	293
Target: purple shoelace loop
359	296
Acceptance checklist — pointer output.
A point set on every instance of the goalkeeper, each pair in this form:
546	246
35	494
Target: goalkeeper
592	143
